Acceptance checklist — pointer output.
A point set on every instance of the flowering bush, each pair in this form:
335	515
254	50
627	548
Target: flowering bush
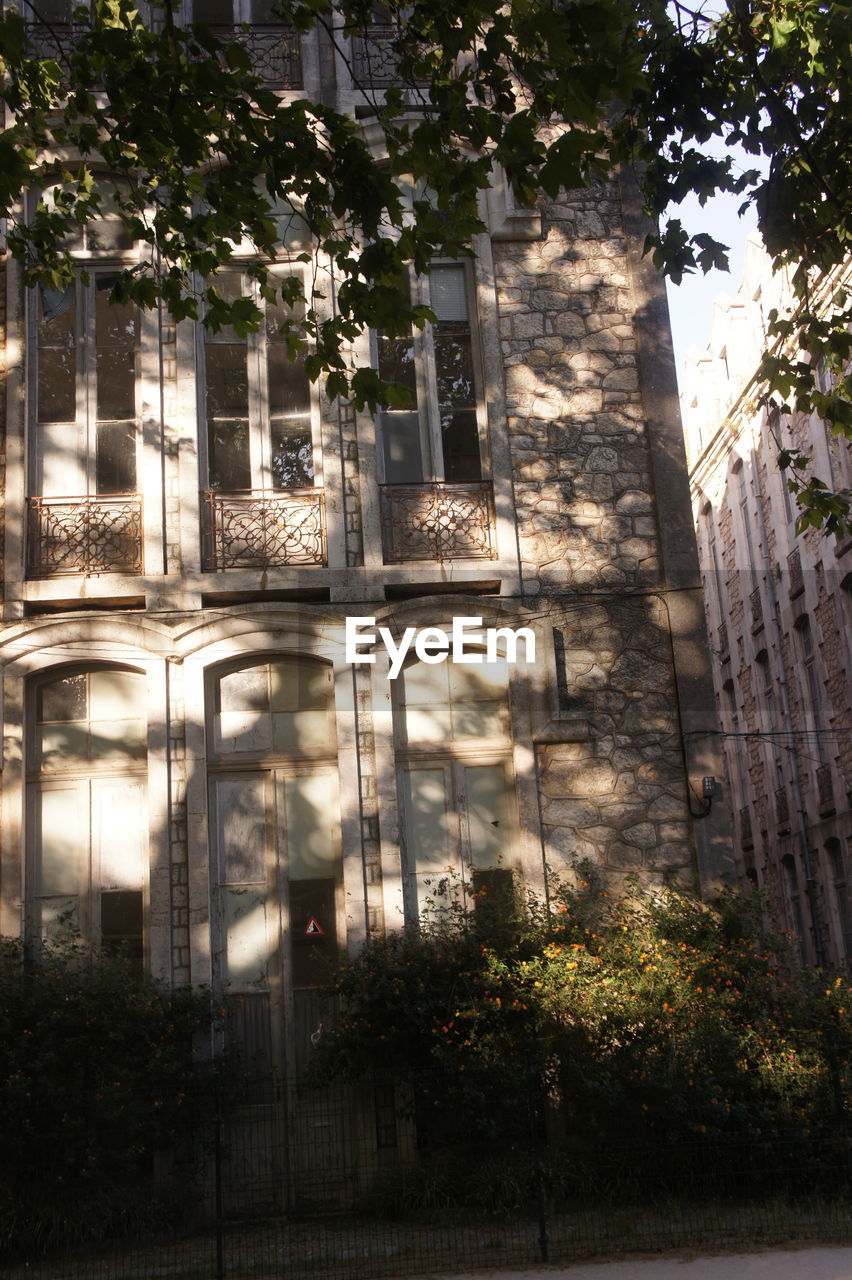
661	1020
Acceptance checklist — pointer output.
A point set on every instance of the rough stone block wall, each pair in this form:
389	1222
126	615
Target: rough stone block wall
574	410
619	798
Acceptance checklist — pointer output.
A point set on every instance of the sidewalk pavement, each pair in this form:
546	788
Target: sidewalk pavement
788	1264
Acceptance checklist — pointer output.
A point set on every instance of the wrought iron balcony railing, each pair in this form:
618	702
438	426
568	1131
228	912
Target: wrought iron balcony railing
276	52
84	535
373	60
437	521
262	529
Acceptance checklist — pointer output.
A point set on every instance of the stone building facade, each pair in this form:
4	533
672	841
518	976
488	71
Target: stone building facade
778	613
192	767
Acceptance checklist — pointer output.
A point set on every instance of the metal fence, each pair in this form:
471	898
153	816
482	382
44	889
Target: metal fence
335	1184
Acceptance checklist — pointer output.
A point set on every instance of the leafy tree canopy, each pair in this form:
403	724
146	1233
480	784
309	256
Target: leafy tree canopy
557	92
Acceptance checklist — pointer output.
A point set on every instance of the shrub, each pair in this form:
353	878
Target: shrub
98	1075
657	1021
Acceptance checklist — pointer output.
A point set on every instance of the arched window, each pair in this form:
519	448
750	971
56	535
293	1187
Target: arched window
456	785
87	811
277	868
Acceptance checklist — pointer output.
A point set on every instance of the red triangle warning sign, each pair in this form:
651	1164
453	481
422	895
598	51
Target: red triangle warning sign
313	929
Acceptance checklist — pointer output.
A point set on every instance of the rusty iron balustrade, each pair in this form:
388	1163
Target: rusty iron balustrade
437	521
276	52
373	60
262	529
756	609
84	535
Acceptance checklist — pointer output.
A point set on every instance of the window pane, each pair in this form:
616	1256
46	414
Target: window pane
119	815
213	12
487	814
57	386
292	456
108	232
289	388
460	441
447	292
403	456
116	375
58	744
227	380
58	919
246	690
64	699
115	322
228	450
245	963
310	837
313	931
61	839
298	686
115	457
396	364
262	12
425	801
54	12
121	924
425	702
242	829
118	695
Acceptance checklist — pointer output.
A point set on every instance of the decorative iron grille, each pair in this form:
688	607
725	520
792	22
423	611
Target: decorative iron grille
276	52
437	521
262	530
797	578
373	61
756	609
825	788
84	535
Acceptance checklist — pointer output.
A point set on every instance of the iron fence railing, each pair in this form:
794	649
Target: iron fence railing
337	1183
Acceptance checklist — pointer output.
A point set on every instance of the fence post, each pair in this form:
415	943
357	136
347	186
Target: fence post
220	1226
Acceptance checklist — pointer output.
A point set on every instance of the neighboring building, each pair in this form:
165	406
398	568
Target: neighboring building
192	767
779	615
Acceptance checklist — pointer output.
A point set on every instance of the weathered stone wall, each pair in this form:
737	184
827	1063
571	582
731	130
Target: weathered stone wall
574	410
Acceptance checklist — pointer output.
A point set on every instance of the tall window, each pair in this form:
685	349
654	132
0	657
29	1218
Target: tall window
437	436
812	691
274	818
87	812
86	410
793	902
840	887
257	404
456	785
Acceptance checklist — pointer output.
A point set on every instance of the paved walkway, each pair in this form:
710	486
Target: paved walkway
794	1264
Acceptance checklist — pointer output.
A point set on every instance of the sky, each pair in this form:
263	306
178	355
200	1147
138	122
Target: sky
690	303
